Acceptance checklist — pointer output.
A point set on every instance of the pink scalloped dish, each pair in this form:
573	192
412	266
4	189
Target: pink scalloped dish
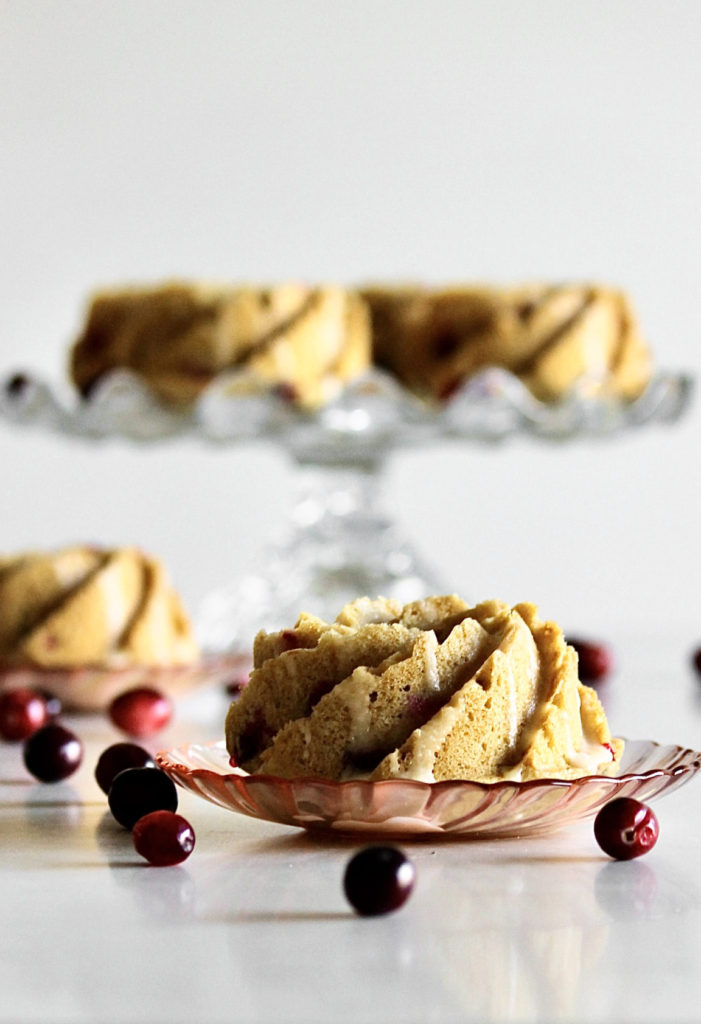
407	808
92	688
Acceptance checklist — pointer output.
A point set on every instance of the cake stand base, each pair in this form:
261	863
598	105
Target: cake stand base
338	545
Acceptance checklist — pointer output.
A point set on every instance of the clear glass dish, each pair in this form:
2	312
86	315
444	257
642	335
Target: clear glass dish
407	809
92	688
340	540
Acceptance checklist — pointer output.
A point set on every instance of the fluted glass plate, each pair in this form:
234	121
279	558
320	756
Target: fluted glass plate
374	412
403	808
93	688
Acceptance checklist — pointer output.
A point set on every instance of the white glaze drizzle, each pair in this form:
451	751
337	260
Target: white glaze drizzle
356	697
116	610
430	662
426	742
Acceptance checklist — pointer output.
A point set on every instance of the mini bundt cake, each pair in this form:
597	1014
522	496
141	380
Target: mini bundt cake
292	669
553	338
448	692
85	606
306	342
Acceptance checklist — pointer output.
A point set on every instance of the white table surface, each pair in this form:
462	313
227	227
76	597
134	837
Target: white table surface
254	925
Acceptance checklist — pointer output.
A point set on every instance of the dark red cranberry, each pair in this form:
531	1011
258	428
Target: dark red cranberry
286	391
118	758
378	879
625	828
22	712
235	684
141	711
595	659
138	791
450	388
52	753
255	735
446	342
290	640
163	838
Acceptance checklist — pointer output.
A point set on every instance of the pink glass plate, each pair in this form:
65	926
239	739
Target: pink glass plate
94	688
407	808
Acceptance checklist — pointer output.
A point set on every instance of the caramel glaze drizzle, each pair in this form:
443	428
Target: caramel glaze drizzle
528	365
43	613
261	344
624	338
249	349
148	581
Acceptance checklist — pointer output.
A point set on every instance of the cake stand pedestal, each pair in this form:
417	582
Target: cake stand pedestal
339	543
340	540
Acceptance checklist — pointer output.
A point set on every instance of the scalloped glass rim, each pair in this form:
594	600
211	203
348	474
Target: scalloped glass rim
373	409
408	809
92	688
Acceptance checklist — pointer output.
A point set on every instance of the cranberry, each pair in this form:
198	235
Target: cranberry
625	828
22	712
138	791
289	640
116	759
378	879
595	659
449	389
235	684
141	711
163	838
446	342
286	391
52	753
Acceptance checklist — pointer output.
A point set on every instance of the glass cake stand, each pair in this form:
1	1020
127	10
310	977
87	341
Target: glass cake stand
340	540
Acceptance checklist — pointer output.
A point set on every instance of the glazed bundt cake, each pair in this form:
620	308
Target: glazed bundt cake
553	338
430	691
85	606
306	342
294	668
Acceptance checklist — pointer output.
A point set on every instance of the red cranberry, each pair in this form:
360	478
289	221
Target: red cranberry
446	342
141	711
289	640
378	879
625	828
286	391
449	389
116	759
163	838
235	684
52	753
138	791
22	712
595	659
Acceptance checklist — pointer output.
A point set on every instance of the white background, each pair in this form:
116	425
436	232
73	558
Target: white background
357	141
